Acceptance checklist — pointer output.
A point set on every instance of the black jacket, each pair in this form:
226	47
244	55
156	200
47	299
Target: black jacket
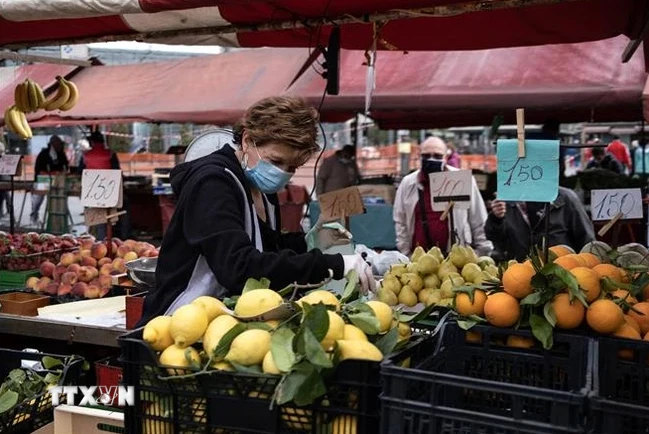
44	162
569	224
209	220
609	162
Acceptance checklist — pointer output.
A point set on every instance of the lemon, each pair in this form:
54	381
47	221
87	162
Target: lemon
216	330
161	409
188	324
344	425
180	358
353	333
222	366
297	419
335	332
358	350
249	348
256	302
320	296
272	323
383	313
404	330
213	306
268	364
156	333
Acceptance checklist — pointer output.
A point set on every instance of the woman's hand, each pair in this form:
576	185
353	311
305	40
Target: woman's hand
364	271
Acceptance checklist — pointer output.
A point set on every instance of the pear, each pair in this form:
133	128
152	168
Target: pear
446	302
432	281
449	284
424	294
386	296
445	269
392	283
483	261
459	256
418	253
434	298
472	257
413	267
470	271
398	269
413	280
455	277
491	270
428	264
407	296
481	278
436	252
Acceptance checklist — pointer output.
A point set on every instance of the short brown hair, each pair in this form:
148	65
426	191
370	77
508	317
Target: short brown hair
280	119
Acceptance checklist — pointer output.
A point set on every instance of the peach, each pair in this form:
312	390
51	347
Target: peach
79	289
118	241
123	250
88	261
58	272
92	291
70	278
94	282
74	268
32	282
113	249
86	243
47	268
52	288
139	248
130	243
85	253
86	274
105	281
106	269
103	261
103	291
94	272
67	259
130	256
64	289
118	265
99	250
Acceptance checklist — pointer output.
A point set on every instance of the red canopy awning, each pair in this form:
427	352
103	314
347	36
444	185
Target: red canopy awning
209	89
249	23
572	82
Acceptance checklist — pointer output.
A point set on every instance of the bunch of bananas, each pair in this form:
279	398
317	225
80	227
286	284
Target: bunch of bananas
29	98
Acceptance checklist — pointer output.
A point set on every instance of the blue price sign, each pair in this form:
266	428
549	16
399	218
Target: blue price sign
534	178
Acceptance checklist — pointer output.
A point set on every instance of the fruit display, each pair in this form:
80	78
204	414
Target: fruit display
432	279
29	98
21	252
600	289
88	272
322	331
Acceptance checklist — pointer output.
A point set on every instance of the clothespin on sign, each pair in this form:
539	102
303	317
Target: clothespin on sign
448	209
520	130
607	227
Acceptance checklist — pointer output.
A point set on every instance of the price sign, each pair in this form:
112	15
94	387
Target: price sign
451	186
341	203
606	204
533	178
101	188
9	164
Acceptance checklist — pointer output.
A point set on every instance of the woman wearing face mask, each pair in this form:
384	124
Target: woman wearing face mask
416	223
226	227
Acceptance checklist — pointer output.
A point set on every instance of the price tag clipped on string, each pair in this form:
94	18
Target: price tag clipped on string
342	203
101	188
451	187
608	203
9	164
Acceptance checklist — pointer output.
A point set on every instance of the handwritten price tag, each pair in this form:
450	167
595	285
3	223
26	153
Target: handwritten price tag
101	188
9	164
606	204
534	178
341	203
446	187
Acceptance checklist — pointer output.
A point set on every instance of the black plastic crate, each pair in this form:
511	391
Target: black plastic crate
38	411
611	417
229	402
457	387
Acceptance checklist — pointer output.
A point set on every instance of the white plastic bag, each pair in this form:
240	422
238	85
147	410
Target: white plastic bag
383	261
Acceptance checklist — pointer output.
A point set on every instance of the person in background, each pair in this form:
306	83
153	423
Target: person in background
416	223
514	227
51	159
620	151
603	160
338	171
4	194
454	159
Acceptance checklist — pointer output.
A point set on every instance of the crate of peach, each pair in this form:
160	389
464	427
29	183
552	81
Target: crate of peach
90	271
24	252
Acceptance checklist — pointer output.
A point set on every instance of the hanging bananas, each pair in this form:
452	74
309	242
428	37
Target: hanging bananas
60	98
74	95
16	121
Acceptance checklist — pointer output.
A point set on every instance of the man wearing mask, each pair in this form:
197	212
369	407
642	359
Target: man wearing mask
415	221
51	159
338	171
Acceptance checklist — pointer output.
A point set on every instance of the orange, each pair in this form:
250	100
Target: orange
590	259
588	280
473	337
604	316
642	320
610	271
463	304
632	322
569	315
515	341
567	262
624	295
561	250
626	332
502	310
517	280
582	262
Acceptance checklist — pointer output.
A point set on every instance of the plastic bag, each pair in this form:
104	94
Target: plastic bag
325	235
383	261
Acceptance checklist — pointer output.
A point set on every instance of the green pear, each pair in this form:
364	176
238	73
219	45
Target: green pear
432	281
481	278
392	283
455	277
424	294
412	280
434	298
436	252
428	264
491	270
386	296
449	284
407	296
459	256
483	261
418	253
446	302
470	271
398	269
472	257
445	269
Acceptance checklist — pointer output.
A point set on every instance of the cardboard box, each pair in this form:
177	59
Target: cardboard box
21	303
85	420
